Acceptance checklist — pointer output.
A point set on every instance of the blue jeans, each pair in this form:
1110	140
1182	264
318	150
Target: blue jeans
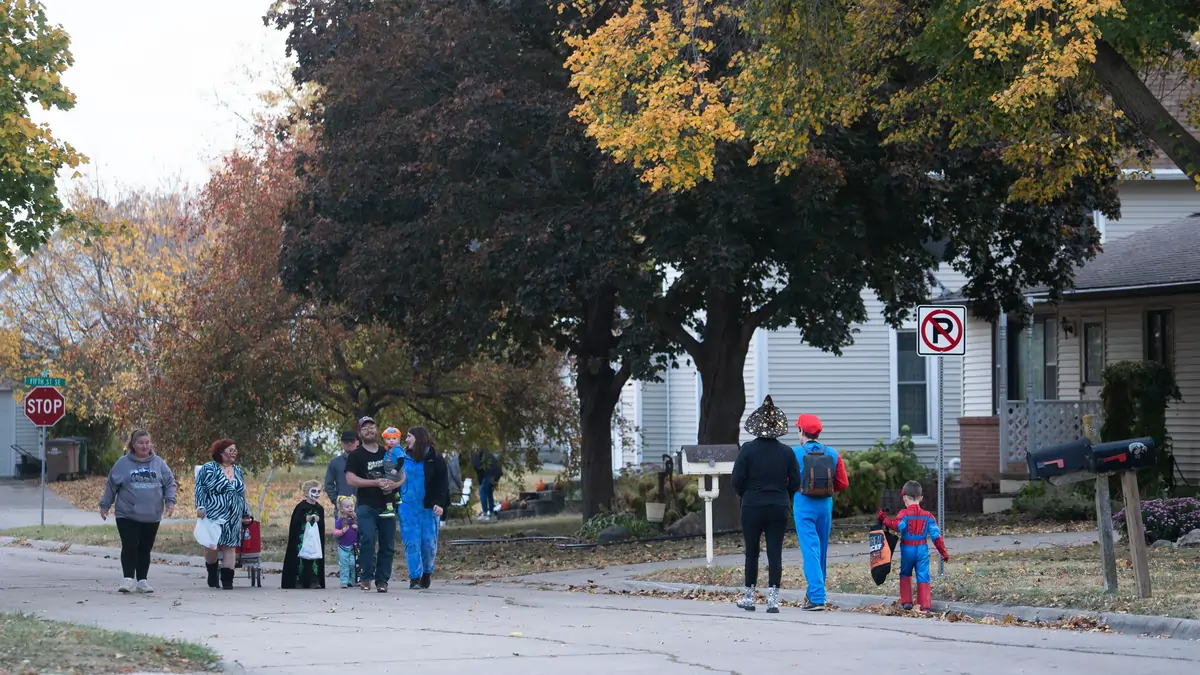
487	495
373	529
346	563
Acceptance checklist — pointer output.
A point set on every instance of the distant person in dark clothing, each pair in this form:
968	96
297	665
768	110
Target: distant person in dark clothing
335	474
765	475
487	467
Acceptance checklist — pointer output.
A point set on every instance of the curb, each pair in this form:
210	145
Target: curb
1127	624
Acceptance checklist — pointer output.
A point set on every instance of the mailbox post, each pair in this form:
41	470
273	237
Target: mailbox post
707	463
1082	460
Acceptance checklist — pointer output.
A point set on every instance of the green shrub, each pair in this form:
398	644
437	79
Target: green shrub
1136	395
635	488
886	466
1045	501
106	459
637	525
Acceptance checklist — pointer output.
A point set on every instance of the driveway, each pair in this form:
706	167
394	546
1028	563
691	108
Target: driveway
508	630
20	506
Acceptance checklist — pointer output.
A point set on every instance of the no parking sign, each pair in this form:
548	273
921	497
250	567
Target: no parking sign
942	330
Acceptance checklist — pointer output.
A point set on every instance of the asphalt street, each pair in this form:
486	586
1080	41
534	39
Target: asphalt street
503	629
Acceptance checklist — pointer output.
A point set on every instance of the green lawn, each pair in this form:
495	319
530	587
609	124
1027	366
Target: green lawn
29	645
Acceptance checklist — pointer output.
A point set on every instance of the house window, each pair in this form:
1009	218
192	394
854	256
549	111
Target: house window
1044	356
1160	337
1093	352
912	385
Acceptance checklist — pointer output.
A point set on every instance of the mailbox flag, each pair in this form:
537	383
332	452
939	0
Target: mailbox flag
882	543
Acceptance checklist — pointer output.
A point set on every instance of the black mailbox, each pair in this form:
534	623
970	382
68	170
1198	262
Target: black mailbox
1057	460
1133	453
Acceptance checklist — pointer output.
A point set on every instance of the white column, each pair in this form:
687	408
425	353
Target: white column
762	385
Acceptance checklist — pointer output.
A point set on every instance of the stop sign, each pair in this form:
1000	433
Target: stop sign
45	406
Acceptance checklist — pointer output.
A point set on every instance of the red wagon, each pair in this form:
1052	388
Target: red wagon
249	553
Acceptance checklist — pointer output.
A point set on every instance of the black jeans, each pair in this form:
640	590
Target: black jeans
771	520
137	540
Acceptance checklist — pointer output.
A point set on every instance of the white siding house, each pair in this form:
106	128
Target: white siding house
15	431
1138	299
877	386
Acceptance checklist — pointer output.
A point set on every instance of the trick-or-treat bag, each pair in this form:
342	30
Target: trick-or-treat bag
882	543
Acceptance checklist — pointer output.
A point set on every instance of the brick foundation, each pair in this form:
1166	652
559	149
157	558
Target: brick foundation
979	450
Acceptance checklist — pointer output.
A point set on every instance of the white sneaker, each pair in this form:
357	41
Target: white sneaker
144	587
126	586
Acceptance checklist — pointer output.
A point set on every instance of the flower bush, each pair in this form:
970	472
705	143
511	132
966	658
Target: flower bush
1167	519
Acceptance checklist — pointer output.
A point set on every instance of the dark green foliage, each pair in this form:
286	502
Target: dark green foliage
886	466
1041	500
1136	395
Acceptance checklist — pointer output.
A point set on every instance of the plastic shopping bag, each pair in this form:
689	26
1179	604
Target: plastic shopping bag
882	545
208	532
310	549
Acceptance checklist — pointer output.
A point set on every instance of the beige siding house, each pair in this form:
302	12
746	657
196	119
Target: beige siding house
1138	299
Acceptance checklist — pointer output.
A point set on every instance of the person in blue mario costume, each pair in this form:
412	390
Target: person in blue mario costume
822	475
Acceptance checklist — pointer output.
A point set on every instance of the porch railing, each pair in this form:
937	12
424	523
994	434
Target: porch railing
1053	422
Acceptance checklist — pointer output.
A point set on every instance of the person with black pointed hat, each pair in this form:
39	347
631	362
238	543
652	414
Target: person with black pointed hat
765	476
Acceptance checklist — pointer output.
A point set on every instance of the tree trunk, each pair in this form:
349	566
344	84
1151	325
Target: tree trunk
1143	108
720	360
598	386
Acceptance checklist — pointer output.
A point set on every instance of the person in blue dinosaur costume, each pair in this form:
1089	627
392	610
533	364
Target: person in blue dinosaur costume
425	497
822	475
915	525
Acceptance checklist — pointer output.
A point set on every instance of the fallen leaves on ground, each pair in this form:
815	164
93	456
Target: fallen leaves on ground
1066	577
32	645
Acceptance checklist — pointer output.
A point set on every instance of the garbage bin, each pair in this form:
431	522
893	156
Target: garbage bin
62	459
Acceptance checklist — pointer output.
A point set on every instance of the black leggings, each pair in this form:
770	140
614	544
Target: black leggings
137	540
771	520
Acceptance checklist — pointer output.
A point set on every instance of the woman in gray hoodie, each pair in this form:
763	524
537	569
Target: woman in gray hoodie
141	485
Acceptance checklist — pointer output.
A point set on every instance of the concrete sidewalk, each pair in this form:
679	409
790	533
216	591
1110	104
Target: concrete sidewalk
838	553
21	506
513	630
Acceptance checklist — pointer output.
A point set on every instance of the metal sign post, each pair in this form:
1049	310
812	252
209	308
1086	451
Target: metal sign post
43	443
44	406
942	331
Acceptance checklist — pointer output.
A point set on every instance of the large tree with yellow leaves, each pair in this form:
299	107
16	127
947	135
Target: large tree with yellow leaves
1055	82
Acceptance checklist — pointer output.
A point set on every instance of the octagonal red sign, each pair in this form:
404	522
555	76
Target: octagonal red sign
45	406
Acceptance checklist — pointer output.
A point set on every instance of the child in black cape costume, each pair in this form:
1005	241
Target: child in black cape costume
300	572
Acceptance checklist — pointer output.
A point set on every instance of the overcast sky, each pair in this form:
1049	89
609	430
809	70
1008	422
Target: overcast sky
160	83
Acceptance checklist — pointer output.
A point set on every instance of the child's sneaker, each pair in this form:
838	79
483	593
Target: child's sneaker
126	586
143	586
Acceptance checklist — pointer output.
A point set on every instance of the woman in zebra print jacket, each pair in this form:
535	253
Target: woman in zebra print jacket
221	495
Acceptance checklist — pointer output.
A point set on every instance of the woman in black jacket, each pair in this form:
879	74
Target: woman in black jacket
425	496
766	475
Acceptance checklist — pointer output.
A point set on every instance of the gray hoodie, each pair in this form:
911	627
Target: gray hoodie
140	488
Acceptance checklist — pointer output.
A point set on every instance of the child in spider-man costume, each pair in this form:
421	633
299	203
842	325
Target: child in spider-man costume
914	525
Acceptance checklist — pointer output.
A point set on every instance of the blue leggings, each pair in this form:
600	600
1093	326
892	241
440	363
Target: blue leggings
915	557
814	521
419	530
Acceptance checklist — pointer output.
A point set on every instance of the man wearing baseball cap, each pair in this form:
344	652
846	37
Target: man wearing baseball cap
822	474
365	472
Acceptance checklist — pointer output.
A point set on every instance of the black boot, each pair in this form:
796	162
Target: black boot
212	575
226	578
414	582
425	580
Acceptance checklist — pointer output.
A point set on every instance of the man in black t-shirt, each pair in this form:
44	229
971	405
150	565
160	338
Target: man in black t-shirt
365	472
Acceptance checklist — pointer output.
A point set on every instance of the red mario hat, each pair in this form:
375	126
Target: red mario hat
809	424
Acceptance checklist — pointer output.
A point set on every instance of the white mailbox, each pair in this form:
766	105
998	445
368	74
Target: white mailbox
707	462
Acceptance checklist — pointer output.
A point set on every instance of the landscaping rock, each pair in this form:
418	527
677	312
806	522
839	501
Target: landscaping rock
612	535
689	525
1189	540
1163	543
